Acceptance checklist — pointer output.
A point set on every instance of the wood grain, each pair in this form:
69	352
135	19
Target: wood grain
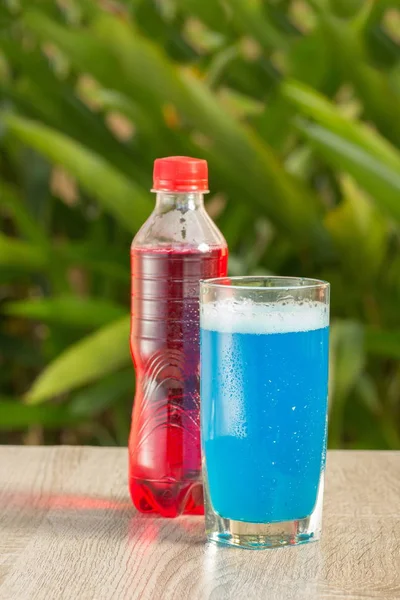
68	531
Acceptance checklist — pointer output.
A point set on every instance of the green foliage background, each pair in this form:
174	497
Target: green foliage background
294	104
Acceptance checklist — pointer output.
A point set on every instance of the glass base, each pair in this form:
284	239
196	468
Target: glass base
263	535
258	536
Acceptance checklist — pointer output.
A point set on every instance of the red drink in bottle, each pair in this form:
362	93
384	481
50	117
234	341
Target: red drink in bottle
176	247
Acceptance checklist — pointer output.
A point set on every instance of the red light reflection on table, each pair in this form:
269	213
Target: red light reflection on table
60	502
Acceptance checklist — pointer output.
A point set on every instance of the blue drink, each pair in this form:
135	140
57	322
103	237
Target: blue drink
264	378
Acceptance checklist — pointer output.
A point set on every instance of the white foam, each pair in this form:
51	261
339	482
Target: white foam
246	316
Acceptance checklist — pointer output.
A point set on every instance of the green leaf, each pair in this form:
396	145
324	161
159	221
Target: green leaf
346	8
87	52
98	354
307	50
347	347
360	232
71	311
103	394
378	96
283	199
250	19
219	63
11	203
111	100
48	98
21	351
274	125
151	126
95	259
135	66
22	255
377	178
80	66
382	343
317	107
241	106
211	13
346	365
234	221
367	391
15	416
119	196
382	49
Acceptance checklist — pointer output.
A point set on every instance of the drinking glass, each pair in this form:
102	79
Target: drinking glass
264	392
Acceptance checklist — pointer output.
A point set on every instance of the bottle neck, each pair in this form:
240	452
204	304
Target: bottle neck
182	201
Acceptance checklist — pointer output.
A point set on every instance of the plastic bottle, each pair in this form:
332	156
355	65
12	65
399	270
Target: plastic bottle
176	247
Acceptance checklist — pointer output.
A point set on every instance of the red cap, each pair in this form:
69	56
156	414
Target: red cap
180	174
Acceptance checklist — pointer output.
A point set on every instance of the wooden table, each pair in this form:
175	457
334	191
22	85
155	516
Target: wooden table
68	531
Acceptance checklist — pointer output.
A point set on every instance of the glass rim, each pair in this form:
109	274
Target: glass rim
303	283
